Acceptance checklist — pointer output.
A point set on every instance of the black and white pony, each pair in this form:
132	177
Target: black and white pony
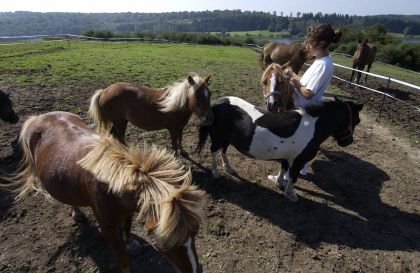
292	138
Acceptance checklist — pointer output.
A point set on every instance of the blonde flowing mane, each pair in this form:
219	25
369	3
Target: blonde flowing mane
165	194
177	94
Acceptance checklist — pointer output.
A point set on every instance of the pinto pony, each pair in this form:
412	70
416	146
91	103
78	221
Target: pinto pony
65	159
280	53
292	138
151	108
364	55
6	110
277	89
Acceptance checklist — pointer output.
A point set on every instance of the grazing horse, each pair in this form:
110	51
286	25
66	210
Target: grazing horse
280	53
65	159
292	138
6	110
364	55
277	89
151	108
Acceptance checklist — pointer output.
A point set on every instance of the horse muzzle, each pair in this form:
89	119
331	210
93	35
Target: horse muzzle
207	119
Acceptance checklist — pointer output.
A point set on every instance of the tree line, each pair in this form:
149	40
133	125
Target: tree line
27	23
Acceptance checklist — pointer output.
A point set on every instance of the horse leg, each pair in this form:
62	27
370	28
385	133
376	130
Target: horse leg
182	152
174	141
110	232
214	172
283	177
289	191
131	244
76	214
368	69
359	74
226	163
118	130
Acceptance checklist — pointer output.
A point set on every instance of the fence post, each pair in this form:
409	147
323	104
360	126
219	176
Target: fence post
383	98
68	41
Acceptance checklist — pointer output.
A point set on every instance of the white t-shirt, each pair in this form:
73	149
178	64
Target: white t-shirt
316	79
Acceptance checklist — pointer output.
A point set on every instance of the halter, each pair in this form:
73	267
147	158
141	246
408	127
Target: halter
350	127
283	94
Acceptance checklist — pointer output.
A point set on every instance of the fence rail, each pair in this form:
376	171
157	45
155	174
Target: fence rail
252	46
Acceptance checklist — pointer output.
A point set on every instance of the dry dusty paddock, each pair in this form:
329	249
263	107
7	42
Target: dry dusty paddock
359	211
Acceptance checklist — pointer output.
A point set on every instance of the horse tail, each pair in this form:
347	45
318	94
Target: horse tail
103	126
167	201
204	132
25	178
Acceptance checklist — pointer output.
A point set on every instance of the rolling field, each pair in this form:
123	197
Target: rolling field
358	209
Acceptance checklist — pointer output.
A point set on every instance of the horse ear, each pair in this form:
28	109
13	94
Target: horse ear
359	106
206	79
262	67
366	41
191	80
283	67
360	41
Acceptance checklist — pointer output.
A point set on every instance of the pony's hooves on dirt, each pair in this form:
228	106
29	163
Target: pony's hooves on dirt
133	246
291	196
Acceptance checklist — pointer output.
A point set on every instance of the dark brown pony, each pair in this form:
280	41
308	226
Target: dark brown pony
65	159
280	53
6	110
364	55
151	108
277	89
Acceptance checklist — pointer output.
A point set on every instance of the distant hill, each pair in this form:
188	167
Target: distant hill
27	23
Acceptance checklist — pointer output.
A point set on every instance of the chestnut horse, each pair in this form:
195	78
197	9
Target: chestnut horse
277	89
65	159
364	55
280	53
6	110
151	108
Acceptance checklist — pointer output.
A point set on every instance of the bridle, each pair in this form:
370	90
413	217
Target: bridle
348	132
283	96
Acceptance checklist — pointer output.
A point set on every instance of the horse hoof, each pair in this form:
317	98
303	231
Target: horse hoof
291	196
133	246
183	153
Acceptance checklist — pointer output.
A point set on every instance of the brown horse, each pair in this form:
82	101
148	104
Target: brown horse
151	108
65	159
277	89
275	52
364	55
6	110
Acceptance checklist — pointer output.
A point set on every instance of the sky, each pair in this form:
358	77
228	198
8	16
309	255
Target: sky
352	7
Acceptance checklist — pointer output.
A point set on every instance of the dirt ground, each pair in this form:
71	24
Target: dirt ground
358	209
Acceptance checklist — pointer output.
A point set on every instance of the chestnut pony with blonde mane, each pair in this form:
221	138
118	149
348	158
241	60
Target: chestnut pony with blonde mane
65	159
277	89
151	108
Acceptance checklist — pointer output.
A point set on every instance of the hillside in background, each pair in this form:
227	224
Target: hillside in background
27	23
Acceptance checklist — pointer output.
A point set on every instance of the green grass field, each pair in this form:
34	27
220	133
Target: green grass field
257	33
234	70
